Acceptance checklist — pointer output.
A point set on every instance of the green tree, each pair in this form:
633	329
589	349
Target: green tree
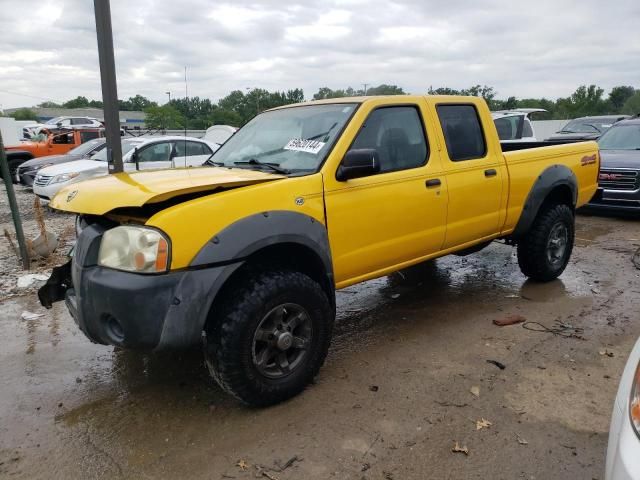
632	105
24	114
49	104
163	117
137	103
96	104
443	91
220	116
78	102
619	95
385	89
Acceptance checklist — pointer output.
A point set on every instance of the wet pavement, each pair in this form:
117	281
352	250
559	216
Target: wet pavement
391	401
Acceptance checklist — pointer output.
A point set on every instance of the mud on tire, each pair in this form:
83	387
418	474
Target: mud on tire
545	250
246	342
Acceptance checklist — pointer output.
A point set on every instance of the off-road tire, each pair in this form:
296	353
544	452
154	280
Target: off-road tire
229	335
533	248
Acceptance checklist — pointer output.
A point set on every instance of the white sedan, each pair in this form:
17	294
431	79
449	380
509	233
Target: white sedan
623	452
138	153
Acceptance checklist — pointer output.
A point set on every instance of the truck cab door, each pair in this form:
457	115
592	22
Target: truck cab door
476	175
394	217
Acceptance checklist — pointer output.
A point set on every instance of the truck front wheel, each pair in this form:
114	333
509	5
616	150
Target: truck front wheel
269	337
545	250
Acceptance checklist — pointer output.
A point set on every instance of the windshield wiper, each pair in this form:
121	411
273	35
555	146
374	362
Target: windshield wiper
323	133
272	166
211	163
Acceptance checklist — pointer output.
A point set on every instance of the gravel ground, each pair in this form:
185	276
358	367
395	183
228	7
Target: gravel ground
10	265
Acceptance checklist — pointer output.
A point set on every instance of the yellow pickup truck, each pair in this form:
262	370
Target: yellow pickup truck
247	252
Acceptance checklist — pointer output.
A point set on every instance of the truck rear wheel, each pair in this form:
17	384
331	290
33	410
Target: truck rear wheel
270	337
545	250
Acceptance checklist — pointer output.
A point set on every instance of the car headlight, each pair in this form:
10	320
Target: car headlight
64	177
634	402
134	249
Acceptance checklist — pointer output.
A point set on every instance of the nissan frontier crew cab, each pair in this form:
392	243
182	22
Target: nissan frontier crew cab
246	254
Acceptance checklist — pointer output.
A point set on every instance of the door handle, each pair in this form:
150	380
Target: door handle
434	182
490	173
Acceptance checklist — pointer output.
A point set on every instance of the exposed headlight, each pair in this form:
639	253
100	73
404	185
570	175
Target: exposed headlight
63	177
634	402
134	249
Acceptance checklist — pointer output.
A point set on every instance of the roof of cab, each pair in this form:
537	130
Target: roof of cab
371	98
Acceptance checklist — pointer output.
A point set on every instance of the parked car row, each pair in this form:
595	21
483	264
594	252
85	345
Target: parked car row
586	128
140	153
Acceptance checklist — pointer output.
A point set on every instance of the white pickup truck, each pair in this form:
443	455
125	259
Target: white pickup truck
514	126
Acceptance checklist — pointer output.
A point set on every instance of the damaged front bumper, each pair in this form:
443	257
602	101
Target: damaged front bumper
131	310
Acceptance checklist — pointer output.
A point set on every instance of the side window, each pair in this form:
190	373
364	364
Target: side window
78	121
63	139
196	148
527	129
462	132
158	152
397	134
86	136
507	128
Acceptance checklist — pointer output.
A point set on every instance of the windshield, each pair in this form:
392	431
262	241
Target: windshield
84	148
622	137
53	121
295	139
127	146
586	125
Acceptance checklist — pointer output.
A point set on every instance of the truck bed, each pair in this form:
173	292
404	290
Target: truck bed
526	161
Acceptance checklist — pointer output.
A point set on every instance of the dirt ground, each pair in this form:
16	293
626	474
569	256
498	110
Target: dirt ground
392	400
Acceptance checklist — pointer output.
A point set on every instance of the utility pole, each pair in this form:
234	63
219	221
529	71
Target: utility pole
13	206
365	88
169	93
102	11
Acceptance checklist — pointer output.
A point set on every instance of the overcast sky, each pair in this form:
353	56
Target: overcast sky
521	48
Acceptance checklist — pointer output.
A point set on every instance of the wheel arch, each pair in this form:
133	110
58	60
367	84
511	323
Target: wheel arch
556	185
275	240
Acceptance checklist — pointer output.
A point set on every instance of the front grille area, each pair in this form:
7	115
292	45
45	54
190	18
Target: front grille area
618	179
43	180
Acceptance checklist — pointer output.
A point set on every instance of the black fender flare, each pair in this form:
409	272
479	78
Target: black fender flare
250	234
227	251
551	178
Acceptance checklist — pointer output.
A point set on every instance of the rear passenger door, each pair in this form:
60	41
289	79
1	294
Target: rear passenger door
154	156
475	174
188	153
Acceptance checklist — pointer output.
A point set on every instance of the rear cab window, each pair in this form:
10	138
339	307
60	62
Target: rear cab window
462	131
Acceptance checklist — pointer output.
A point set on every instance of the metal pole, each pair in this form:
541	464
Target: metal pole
108	81
13	206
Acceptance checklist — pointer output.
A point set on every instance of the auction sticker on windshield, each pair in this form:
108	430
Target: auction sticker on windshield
302	145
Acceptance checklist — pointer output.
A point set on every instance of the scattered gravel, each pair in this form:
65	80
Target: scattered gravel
61	224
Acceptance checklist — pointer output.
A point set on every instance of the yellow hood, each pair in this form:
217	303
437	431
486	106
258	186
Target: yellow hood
101	195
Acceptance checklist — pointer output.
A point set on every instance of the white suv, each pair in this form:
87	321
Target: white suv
140	153
73	122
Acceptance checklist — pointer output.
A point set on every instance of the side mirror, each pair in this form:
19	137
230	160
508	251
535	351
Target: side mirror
358	163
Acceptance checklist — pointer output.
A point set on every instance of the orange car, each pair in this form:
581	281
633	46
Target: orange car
56	142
